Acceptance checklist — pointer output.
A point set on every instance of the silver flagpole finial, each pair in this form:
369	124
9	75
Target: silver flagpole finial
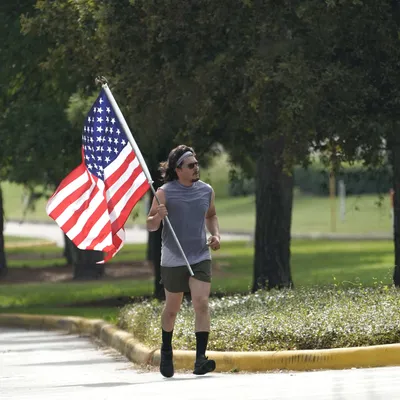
101	80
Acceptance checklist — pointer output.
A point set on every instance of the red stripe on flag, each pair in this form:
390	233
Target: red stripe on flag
71	199
94	217
74	174
122	168
123	190
137	195
77	213
105	231
120	221
117	241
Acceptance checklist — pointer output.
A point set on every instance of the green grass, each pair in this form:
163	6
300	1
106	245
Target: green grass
364	214
32	252
13	204
320	263
54	294
314	263
109	314
9	239
51	256
34	257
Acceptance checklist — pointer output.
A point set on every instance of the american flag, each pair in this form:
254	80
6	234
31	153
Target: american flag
92	204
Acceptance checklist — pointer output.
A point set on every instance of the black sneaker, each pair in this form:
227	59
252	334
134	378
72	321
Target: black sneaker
166	364
203	365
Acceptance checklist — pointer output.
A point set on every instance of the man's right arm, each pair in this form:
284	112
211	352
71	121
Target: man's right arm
157	212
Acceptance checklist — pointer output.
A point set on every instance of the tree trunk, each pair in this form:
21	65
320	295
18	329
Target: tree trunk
3	263
154	244
67	250
395	158
154	247
274	198
84	262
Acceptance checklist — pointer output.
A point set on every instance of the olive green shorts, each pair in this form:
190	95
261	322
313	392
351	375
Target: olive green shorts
176	279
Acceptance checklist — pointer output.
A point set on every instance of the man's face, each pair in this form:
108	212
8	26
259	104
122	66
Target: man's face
190	170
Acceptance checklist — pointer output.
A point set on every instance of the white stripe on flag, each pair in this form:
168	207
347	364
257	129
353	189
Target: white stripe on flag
130	168
111	168
106	242
122	179
87	213
70	210
116	212
66	192
95	231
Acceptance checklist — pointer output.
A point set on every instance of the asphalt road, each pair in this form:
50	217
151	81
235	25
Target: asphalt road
53	365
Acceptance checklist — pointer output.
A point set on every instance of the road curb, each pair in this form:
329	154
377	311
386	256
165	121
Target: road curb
294	360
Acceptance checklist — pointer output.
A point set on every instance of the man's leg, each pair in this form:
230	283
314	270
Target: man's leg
200	292
172	305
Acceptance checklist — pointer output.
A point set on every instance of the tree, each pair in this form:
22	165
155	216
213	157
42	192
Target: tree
3	261
34	125
355	55
395	159
8	31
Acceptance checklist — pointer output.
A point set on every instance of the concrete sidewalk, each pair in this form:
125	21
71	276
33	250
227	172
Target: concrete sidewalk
52	365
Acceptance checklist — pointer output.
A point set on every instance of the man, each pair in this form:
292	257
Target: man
189	204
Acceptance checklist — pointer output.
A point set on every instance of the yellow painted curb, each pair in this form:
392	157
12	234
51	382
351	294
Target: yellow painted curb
294	360
300	360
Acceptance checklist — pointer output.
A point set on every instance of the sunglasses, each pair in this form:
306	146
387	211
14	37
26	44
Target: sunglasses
191	165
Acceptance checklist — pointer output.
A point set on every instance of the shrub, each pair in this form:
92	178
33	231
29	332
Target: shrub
315	181
280	320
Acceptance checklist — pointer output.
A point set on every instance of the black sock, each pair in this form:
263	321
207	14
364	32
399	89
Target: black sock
201	343
166	340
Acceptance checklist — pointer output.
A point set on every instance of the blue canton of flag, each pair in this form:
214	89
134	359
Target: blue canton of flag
103	138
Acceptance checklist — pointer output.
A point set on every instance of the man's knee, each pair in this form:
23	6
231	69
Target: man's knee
171	309
172	304
200	304
170	313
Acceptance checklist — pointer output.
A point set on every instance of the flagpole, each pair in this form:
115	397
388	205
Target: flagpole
141	161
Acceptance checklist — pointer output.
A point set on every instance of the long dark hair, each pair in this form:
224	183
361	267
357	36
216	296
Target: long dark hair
167	168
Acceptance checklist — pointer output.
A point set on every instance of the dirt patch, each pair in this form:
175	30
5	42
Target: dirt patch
135	270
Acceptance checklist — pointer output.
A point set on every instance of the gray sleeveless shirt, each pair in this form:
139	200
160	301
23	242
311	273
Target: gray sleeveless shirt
187	207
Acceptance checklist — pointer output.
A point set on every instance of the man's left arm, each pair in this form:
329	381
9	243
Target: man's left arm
212	225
